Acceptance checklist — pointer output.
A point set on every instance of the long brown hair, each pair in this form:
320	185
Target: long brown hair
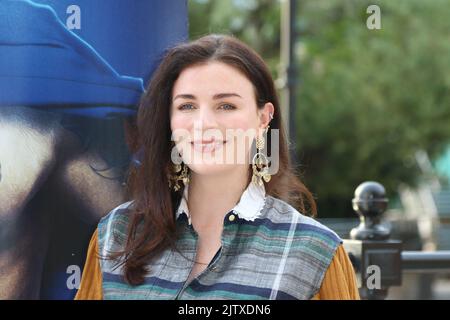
152	227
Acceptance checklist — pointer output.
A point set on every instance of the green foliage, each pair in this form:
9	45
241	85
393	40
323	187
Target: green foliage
367	99
256	22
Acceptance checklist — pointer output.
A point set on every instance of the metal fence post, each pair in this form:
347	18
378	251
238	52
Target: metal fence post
376	259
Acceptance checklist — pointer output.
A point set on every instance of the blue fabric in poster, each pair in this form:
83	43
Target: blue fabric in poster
97	70
87	62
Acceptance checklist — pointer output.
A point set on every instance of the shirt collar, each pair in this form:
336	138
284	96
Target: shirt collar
248	208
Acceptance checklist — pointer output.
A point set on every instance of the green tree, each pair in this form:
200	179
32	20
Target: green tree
256	22
369	99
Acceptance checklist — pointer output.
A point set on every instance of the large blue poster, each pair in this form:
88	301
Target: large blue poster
71	75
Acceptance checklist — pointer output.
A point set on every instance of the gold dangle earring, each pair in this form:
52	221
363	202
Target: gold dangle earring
180	173
260	163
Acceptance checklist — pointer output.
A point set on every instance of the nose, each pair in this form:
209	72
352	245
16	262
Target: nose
206	118
206	125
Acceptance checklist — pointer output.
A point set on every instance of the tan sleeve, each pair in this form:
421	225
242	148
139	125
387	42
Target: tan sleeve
91	280
339	282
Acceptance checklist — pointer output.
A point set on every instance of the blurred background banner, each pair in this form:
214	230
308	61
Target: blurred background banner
71	75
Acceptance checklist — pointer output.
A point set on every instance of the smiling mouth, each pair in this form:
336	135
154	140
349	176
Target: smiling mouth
207	145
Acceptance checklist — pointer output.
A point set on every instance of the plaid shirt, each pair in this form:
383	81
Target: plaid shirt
269	251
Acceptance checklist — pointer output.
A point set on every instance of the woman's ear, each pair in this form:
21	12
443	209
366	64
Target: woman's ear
266	114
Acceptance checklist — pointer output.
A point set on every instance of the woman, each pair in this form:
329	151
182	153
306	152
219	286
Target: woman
199	226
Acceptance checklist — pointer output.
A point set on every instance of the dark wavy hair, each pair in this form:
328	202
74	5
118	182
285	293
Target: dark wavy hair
152	227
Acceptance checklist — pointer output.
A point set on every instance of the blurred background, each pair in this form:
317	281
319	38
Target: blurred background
361	104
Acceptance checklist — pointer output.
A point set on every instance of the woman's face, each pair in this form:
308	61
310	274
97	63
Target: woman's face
214	117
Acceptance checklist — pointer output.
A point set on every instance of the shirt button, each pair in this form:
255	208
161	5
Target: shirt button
231	217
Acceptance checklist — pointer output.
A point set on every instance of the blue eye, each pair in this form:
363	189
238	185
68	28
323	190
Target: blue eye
186	106
227	107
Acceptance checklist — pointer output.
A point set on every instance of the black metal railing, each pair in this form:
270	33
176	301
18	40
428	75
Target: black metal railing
378	260
426	262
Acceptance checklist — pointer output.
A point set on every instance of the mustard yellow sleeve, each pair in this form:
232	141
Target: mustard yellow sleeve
91	280
339	282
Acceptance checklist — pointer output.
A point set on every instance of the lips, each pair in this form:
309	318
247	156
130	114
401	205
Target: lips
207	145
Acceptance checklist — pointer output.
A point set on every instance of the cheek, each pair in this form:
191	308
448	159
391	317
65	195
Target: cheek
241	139
180	121
180	126
239	124
241	120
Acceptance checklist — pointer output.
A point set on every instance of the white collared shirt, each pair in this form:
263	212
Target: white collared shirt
248	208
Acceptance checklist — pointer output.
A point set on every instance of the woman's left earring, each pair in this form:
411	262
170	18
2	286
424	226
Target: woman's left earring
260	164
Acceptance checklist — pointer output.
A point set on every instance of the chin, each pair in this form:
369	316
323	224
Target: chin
207	169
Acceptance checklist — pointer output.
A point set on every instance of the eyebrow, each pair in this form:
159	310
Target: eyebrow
215	97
